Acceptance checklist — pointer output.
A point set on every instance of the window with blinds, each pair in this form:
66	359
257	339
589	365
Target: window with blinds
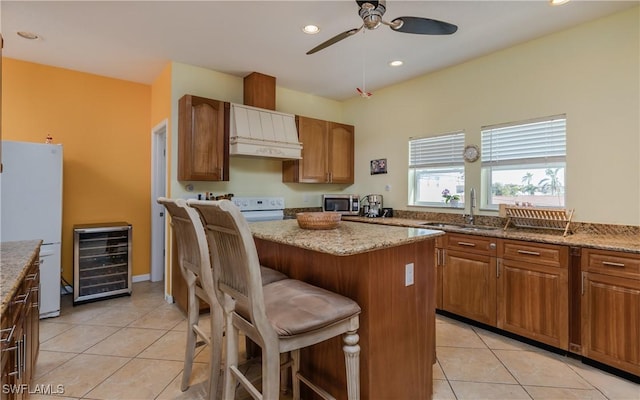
524	163
436	168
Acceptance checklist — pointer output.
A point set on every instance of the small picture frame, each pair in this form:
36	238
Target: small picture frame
379	166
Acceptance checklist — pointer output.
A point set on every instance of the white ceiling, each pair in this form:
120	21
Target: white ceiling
135	40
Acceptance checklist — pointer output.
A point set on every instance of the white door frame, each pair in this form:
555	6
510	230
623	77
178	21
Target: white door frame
158	189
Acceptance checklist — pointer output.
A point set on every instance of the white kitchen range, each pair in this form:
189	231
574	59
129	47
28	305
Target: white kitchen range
260	208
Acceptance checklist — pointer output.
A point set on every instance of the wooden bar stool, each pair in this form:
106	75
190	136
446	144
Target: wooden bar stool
195	266
281	317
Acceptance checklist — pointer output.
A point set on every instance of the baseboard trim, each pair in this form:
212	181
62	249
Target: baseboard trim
141	278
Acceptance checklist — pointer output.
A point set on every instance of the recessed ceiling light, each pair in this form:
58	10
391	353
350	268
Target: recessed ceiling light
28	35
311	29
557	2
396	63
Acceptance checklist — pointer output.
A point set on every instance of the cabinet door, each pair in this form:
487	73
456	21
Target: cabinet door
439	263
341	148
469	286
533	302
312	134
203	132
611	321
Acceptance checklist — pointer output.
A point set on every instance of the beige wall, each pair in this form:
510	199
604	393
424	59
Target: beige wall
248	176
590	73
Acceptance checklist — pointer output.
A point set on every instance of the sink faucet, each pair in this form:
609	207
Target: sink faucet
472	200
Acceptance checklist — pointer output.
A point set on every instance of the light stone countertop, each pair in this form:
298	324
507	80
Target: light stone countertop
626	242
15	258
347	239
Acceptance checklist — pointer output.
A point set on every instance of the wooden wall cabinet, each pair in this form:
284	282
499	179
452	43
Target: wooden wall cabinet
19	337
611	308
203	139
533	291
469	277
327	153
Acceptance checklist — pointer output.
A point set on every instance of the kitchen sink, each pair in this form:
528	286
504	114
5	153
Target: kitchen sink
480	228
466	227
442	225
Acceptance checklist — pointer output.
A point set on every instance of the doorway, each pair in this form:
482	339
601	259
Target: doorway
158	189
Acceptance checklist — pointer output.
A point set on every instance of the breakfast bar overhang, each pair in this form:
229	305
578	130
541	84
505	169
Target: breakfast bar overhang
373	265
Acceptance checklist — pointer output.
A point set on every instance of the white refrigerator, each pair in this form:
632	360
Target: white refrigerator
31	208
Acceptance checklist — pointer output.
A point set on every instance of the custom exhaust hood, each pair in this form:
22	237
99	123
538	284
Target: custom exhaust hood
263	133
256	129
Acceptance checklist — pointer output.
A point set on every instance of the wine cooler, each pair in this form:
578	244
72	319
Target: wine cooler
101	261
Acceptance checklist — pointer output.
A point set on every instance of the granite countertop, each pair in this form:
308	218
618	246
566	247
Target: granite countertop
626	242
15	258
347	239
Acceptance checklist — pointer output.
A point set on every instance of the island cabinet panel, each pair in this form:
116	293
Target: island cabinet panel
397	323
533	291
203	139
611	308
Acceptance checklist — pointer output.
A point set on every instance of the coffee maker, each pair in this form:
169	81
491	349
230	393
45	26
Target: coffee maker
374	206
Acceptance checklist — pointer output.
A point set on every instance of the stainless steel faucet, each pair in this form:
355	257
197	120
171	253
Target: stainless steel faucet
472	200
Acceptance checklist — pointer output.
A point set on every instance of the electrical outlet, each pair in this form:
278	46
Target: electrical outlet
408	274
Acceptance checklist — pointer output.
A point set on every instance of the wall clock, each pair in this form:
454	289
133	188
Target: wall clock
471	153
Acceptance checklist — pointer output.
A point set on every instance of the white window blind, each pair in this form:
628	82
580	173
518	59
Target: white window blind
531	142
437	151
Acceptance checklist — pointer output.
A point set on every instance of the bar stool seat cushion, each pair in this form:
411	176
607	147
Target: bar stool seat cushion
270	275
294	307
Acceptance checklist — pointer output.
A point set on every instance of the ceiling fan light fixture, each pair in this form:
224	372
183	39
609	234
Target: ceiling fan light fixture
558	2
311	29
28	35
396	63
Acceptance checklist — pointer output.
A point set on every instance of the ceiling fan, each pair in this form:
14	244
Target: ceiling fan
371	12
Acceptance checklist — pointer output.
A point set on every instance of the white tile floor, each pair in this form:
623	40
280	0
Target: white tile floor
133	347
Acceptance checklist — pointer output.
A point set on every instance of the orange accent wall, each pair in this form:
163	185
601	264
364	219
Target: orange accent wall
104	125
161	98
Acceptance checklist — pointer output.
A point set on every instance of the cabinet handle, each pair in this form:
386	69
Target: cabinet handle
15	348
498	266
582	284
19	363
466	244
9	336
31	277
530	253
613	264
23	298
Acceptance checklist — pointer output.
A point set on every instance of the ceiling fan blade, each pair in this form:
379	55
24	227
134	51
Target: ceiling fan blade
334	40
424	26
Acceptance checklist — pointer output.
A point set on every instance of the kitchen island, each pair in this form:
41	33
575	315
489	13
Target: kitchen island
390	272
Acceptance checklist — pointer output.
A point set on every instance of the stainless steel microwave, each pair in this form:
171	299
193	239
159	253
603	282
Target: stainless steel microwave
345	204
